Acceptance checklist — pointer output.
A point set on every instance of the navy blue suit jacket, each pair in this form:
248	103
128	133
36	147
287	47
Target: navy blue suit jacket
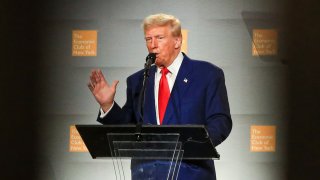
198	96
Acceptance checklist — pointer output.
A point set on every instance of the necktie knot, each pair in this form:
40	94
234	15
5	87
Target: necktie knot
164	71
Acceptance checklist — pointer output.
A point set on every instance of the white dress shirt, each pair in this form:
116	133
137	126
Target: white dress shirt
171	77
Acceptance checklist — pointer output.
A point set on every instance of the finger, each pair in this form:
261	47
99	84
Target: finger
90	87
101	75
102	78
93	77
93	85
97	77
115	84
93	80
93	72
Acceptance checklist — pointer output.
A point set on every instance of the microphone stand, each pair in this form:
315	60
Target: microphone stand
150	59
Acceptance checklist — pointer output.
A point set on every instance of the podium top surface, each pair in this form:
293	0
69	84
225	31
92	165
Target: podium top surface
194	138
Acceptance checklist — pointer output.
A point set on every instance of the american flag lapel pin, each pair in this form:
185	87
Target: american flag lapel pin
185	80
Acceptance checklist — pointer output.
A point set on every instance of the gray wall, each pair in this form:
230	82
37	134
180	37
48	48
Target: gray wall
219	32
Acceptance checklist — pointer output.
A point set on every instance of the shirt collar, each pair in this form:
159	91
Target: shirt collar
175	66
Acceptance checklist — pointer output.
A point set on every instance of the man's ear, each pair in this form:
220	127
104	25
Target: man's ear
178	42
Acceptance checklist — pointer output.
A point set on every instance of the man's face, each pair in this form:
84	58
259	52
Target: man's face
159	40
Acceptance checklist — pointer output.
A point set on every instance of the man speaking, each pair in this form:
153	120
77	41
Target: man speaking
178	91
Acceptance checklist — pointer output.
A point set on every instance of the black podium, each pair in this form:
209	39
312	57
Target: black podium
166	143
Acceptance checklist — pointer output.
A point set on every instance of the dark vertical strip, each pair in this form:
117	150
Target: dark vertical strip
18	89
304	68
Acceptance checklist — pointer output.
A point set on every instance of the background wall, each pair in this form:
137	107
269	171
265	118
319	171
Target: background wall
45	86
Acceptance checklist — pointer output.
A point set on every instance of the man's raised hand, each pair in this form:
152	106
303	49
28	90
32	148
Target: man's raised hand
101	90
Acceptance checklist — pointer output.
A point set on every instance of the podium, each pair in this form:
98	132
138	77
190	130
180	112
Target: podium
167	145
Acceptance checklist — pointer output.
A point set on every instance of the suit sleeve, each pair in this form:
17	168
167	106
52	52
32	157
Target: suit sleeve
219	123
118	115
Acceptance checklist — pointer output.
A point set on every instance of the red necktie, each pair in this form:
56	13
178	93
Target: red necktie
164	93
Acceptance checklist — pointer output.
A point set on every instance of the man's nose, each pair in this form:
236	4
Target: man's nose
154	43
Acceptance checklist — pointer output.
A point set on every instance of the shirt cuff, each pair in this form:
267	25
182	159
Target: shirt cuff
103	114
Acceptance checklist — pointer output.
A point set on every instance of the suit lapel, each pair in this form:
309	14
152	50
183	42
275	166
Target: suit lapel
172	115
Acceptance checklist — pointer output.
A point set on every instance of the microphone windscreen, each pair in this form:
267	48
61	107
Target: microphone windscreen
151	57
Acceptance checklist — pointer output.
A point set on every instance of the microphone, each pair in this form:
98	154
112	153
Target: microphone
150	59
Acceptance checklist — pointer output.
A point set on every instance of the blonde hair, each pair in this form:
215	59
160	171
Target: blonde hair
155	20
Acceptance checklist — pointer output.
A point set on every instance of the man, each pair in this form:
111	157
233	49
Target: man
179	91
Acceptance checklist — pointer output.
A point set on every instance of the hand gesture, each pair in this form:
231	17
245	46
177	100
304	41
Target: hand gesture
101	90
